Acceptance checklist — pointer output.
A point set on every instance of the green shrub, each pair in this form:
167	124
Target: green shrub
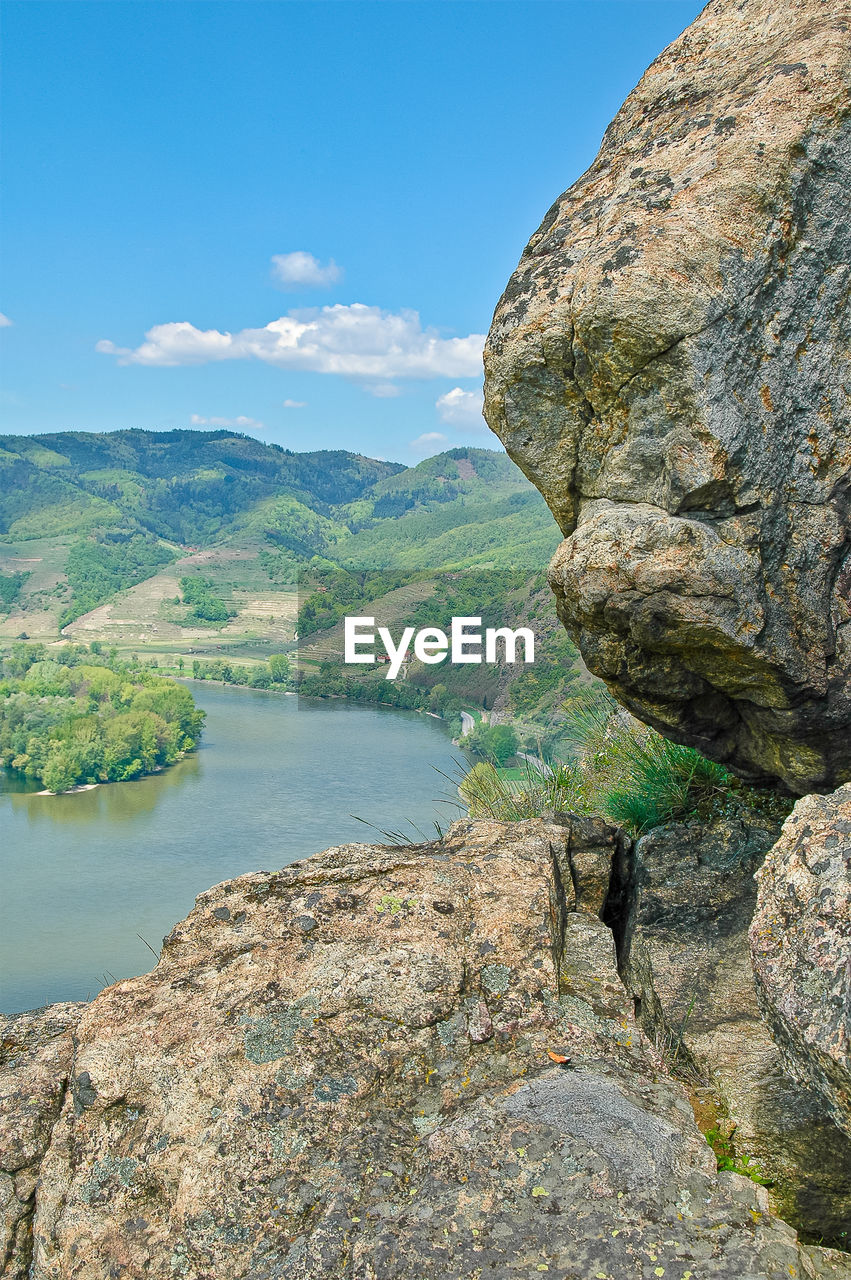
723	1147
10	586
488	794
205	605
622	770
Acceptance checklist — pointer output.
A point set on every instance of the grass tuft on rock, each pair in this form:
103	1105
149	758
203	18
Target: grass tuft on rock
634	775
622	769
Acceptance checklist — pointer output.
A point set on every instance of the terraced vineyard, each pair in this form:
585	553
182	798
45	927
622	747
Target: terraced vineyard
249	517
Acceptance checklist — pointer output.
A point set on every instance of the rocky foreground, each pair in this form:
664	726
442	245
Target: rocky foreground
342	1069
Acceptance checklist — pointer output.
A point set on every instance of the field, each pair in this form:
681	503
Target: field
44	594
146	620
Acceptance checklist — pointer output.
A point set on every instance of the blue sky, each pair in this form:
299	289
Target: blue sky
361	176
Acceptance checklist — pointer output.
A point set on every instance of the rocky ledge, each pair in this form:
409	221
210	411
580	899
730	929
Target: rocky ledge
344	1069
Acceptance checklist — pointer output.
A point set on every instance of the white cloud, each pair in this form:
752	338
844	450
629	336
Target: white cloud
5	322
461	408
356	341
295	404
243	423
384	390
301	270
429	442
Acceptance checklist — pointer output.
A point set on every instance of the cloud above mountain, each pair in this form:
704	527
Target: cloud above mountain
242	422
354	341
429	442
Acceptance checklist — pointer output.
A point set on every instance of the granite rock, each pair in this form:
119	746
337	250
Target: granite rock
374	1099
671	365
687	963
801	947
36	1051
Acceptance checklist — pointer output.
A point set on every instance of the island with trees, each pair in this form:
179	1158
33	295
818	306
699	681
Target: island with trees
75	716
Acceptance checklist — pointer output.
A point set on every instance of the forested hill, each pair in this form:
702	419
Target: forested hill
187	486
124	518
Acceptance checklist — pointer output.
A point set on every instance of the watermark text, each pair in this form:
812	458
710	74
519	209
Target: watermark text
465	643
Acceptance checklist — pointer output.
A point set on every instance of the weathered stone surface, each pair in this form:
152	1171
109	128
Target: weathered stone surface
670	365
801	945
591	861
827	1264
688	963
35	1057
371	1097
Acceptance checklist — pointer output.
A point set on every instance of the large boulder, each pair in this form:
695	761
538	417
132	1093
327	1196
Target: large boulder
801	945
671	365
341	1069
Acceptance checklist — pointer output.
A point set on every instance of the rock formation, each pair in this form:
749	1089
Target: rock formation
35	1061
687	961
801	943
341	1069
671	365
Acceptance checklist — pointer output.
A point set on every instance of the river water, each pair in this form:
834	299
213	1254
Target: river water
275	778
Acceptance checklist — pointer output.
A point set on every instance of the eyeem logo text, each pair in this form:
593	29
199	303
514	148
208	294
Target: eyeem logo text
464	643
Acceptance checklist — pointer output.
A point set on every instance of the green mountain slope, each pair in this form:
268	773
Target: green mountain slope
198	548
186	486
98	531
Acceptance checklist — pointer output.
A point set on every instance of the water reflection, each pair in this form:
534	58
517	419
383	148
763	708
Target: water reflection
13	784
276	779
114	802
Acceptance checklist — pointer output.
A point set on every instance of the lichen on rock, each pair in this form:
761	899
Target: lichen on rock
687	963
259	1106
36	1054
671	365
801	948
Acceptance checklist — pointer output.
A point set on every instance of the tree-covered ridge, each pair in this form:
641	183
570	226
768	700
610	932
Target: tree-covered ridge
513	531
530	696
196	487
186	486
77	717
328	595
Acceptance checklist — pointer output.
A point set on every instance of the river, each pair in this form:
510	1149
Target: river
275	778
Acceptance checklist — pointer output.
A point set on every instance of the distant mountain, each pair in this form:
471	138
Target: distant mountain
187	486
86	516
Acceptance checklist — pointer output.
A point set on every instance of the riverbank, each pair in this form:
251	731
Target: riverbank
72	791
273	780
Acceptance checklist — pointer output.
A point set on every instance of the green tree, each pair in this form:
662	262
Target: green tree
501	742
60	771
495	741
279	668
